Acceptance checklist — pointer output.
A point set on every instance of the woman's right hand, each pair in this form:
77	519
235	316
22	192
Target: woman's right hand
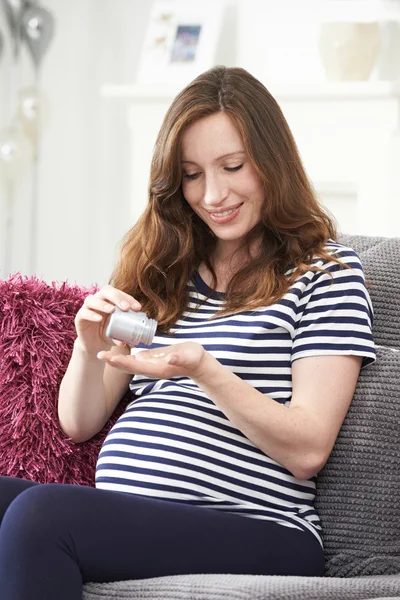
92	318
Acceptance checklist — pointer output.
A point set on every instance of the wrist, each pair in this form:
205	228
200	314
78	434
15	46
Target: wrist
84	352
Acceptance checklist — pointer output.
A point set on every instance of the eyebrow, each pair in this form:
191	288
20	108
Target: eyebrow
238	152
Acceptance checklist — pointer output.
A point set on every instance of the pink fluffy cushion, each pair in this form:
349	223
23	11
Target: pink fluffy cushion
37	333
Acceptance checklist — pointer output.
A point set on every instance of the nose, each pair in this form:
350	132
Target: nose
215	192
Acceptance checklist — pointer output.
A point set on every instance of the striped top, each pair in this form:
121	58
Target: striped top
174	443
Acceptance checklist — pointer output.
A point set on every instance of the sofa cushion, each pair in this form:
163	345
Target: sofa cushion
380	258
358	491
245	587
36	339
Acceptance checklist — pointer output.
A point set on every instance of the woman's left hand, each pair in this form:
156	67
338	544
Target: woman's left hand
183	359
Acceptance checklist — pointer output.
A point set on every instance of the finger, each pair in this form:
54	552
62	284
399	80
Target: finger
121	299
89	315
98	304
110	356
120	344
117	361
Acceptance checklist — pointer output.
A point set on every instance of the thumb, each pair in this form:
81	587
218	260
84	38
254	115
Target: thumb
173	359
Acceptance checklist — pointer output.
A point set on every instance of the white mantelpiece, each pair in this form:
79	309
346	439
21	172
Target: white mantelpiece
348	135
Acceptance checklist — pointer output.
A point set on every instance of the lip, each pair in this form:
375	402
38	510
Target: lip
226	218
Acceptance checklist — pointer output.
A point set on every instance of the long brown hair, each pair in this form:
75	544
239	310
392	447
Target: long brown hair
163	250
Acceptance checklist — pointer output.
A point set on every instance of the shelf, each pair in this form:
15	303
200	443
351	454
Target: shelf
299	91
342	90
152	92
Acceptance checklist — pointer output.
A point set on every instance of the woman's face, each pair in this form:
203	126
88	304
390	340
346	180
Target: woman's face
219	181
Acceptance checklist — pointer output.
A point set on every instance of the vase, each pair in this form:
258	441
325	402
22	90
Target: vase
349	51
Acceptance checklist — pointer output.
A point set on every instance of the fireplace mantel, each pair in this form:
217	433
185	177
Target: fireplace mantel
348	134
315	90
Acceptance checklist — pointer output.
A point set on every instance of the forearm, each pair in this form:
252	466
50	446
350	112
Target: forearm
82	404
287	435
299	437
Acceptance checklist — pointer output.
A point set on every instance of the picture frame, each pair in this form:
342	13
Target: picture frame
181	41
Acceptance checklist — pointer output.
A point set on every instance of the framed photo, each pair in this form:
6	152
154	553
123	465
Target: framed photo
181	41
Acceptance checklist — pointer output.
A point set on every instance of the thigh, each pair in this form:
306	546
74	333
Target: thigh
10	488
117	536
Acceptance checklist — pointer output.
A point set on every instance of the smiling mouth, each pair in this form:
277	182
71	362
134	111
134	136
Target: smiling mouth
225	215
226	212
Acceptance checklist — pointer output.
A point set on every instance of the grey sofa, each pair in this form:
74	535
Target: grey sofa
358	491
358	495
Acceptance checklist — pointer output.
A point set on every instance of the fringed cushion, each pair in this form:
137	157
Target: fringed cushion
37	333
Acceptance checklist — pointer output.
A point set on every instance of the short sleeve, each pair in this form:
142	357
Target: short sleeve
335	313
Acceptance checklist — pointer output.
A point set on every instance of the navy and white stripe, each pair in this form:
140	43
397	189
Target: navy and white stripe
174	443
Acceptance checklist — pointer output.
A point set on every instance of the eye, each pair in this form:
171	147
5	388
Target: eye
233	169
191	176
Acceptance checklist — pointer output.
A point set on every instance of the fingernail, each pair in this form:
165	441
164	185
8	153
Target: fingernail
123	304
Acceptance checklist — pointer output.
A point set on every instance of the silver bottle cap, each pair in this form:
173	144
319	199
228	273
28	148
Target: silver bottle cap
131	327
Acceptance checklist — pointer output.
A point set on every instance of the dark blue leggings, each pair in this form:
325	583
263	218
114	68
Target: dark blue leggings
55	537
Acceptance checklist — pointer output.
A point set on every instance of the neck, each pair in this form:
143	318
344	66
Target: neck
228	257
233	254
225	263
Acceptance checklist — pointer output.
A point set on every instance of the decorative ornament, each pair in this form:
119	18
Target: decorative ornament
1	44
14	10
349	50
32	112
15	154
37	28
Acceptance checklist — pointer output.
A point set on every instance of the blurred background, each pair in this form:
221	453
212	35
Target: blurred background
84	85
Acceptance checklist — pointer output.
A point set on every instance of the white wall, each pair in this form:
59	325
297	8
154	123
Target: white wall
82	181
83	190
